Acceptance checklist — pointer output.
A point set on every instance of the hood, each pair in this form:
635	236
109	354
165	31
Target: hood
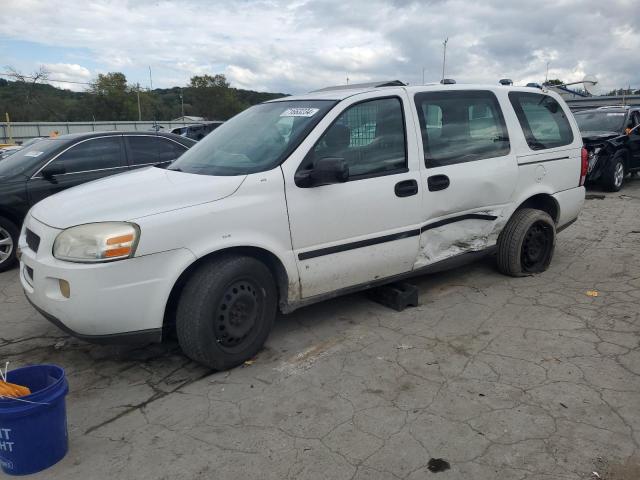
132	195
598	136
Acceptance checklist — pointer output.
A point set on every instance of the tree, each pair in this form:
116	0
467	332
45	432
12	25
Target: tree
208	81
212	97
555	81
112	99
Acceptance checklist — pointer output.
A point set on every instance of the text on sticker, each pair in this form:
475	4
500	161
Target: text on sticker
299	112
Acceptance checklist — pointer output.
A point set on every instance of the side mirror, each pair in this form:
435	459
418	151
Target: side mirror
325	171
51	171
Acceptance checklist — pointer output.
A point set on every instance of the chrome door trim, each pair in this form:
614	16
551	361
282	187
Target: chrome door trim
70	147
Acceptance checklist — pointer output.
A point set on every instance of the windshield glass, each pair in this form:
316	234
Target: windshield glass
600	121
255	140
26	158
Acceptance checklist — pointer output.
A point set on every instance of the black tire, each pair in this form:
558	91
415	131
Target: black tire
226	311
527	243
614	173
8	244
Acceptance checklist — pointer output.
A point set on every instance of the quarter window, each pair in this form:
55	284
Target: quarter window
146	149
93	154
542	119
461	126
370	136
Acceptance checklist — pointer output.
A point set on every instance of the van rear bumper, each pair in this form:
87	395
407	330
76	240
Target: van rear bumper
571	202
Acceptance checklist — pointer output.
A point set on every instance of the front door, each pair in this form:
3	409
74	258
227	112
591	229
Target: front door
634	140
470	175
85	161
366	228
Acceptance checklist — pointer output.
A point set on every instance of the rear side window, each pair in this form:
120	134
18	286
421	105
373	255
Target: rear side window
542	119
461	126
94	154
370	136
147	149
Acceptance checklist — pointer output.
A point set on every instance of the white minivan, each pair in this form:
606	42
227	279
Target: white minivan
301	199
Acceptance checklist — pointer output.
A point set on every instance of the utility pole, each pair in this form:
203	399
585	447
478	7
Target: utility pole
347	79
139	111
150	79
546	77
444	55
182	103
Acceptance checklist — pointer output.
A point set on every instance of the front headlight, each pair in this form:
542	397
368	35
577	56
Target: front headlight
97	242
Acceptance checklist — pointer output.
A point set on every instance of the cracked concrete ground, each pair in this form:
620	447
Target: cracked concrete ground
505	378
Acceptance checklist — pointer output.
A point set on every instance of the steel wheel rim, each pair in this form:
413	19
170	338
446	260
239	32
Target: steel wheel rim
618	174
536	247
6	245
237	315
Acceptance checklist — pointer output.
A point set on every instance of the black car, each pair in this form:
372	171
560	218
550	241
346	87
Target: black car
54	164
196	131
611	136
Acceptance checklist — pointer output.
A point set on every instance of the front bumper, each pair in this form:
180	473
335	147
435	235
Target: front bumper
121	301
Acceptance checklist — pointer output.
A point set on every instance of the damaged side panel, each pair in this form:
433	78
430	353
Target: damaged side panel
453	239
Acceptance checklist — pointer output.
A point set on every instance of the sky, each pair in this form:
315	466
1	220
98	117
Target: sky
298	46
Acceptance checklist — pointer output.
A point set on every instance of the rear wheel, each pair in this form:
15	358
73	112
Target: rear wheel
8	244
226	311
613	176
527	243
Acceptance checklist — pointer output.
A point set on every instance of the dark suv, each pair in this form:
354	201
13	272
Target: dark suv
54	164
611	136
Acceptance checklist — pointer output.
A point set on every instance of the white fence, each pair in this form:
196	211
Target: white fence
21	131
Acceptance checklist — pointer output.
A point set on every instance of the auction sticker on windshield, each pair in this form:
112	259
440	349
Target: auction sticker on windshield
33	153
299	112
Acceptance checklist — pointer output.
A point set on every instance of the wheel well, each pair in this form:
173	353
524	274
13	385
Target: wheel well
269	259
626	154
544	202
12	218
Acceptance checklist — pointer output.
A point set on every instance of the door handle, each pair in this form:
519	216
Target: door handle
437	182
406	188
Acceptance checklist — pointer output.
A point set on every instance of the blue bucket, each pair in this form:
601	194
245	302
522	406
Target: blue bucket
33	434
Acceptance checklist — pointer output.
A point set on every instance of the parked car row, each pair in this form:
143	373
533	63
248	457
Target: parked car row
293	201
51	165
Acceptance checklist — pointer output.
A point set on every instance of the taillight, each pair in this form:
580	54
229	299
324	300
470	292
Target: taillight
584	165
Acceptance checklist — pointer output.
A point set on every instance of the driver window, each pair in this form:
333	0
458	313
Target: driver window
369	136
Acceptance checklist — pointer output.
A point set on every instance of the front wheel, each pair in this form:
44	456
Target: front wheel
8	244
527	243
226	311
613	176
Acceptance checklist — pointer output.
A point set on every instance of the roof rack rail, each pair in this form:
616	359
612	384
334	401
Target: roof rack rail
613	106
387	83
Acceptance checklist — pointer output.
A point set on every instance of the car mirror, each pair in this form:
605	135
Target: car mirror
325	171
51	171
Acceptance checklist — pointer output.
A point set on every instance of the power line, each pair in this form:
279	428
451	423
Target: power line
30	77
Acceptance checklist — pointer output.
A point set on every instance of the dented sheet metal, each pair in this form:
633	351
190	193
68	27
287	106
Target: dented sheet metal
453	239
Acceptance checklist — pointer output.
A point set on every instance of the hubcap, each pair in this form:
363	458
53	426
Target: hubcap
536	247
6	245
237	314
618	174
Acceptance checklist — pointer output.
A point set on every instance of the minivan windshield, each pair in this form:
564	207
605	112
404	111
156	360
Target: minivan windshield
255	140
601	121
28	157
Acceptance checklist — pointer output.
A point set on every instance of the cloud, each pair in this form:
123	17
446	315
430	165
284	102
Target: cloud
298	46
72	75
